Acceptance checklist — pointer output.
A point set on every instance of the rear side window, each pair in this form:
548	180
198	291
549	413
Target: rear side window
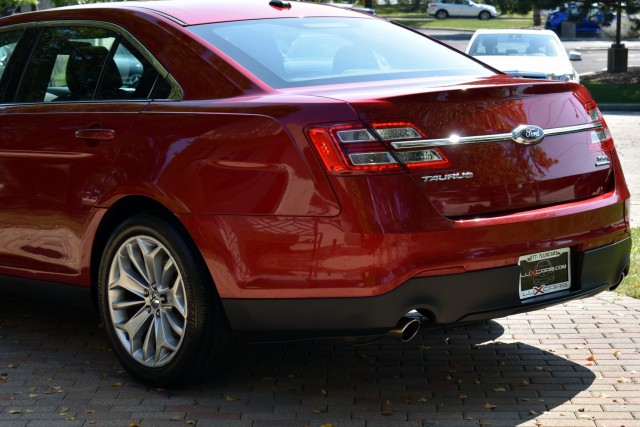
8	42
293	52
84	64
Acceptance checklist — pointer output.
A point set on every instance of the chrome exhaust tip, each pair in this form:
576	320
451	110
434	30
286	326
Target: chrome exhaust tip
406	329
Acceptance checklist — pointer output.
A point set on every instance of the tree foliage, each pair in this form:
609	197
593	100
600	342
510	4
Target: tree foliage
8	7
59	3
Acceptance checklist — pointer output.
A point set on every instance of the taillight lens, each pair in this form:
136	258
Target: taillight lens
601	139
354	149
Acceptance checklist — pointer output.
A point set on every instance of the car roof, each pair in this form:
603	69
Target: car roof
195	12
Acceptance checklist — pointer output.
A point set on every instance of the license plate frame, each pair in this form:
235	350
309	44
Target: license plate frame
543	273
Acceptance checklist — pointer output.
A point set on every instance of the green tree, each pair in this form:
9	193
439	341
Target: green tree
59	3
8	7
615	8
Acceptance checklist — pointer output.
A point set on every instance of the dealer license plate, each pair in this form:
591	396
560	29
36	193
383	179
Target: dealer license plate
544	273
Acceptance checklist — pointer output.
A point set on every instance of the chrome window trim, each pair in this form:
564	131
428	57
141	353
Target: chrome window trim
425	143
176	91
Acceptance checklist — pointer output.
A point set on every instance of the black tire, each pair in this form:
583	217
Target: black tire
484	15
442	14
159	306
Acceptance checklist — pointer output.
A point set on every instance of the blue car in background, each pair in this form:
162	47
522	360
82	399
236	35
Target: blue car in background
590	23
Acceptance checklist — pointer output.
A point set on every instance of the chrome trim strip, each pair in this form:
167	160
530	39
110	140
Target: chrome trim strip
425	143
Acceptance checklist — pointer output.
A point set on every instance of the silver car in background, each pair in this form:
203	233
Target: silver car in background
442	9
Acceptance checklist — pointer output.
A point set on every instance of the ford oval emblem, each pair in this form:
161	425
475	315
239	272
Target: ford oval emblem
527	134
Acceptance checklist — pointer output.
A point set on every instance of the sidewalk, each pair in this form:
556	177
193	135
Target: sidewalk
572	365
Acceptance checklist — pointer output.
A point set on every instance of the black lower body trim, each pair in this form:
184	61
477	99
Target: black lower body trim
451	299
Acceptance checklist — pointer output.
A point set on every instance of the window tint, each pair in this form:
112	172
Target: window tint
84	64
8	43
292	52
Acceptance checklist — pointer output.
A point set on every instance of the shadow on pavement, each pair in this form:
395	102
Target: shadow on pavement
55	358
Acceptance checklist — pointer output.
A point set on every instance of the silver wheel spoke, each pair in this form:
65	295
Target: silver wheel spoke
126	280
147	300
176	297
134	325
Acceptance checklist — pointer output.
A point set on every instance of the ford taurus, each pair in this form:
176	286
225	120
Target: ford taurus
203	171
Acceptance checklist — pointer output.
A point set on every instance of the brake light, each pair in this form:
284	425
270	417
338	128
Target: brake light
354	149
601	139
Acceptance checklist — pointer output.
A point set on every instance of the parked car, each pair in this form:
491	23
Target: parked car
288	170
590	22
442	9
533	54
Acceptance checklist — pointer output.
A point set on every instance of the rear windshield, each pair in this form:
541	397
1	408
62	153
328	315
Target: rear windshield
294	52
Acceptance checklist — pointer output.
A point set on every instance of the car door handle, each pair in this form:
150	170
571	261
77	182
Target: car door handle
101	134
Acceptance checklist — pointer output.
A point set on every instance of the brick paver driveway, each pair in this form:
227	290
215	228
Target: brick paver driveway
576	364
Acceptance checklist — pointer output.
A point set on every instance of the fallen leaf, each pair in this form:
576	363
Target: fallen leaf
89	411
229	398
11	366
603	396
3	378
525	382
623	380
15	411
591	358
320	410
387	409
422	399
532	412
499	389
33	395
324	392
424	347
134	424
326	425
581	410
408	398
489	406
191	422
71	418
483	423
116	385
462	396
176	418
617	353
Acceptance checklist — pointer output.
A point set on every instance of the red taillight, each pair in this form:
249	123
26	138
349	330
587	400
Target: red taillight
354	149
601	139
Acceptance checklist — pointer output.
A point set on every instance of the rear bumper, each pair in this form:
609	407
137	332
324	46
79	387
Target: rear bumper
449	299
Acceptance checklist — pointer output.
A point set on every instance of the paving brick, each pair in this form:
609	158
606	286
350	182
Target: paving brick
522	363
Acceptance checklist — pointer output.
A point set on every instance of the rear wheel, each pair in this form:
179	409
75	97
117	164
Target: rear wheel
159	306
484	15
442	14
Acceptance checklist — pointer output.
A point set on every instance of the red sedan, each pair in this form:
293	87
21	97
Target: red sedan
206	170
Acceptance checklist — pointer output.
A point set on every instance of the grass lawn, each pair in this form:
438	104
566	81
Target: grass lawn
614	93
470	24
631	284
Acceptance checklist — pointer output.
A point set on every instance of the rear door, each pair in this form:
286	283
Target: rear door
61	126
